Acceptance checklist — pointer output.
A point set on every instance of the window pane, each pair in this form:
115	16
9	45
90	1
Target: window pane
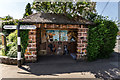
56	36
53	35
64	36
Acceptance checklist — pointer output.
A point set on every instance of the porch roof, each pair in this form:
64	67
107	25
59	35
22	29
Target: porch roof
51	18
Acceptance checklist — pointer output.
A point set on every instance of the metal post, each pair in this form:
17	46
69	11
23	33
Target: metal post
18	46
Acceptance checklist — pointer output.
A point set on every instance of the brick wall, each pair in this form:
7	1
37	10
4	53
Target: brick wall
82	38
34	39
31	51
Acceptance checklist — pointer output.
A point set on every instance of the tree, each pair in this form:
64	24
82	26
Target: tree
28	10
70	9
6	18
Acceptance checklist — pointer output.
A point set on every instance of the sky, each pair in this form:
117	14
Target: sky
16	8
111	9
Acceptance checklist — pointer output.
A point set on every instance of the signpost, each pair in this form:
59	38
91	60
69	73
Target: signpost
18	37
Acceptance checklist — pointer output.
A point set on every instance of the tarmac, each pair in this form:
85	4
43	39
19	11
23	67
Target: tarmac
65	67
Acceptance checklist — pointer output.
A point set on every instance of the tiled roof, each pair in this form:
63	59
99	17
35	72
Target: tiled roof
53	18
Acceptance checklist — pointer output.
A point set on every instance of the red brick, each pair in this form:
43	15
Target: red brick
80	45
33	45
33	41
57	26
81	30
26	57
34	53
84	41
84	26
32	49
84	34
79	34
29	45
81	26
30	41
30	56
86	30
29	37
79	41
32	32
86	45
49	25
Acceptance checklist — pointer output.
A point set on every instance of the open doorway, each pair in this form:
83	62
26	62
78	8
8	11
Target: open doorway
58	41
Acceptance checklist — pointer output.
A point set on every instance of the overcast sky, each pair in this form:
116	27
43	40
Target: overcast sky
16	8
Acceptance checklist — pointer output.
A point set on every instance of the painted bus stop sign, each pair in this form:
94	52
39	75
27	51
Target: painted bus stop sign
21	27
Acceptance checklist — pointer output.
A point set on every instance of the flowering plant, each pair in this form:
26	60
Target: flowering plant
28	53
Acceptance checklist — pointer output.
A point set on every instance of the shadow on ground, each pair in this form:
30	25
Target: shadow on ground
53	65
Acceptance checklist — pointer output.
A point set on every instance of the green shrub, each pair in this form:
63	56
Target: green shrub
12	37
3	52
11	48
11	44
101	39
12	52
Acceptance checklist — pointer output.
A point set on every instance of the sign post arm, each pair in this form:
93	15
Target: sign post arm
18	46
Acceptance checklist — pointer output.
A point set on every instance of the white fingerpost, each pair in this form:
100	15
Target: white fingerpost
19	46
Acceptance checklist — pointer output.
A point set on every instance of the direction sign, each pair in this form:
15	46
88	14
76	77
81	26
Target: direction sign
10	27
21	27
27	27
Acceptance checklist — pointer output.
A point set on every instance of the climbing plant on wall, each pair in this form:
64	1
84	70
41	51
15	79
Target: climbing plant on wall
24	39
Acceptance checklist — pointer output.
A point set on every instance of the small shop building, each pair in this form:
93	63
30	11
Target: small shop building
56	34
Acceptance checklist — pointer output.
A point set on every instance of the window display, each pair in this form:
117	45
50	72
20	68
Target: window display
63	35
54	35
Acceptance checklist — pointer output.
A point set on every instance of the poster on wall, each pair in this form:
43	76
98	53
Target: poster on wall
64	36
52	35
57	35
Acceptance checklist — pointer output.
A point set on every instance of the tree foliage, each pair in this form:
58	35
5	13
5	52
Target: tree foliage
11	48
71	9
28	10
6	18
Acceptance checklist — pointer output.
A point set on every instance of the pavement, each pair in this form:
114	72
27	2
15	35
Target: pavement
65	67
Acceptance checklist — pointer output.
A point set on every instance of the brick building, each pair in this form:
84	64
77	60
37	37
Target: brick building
56	34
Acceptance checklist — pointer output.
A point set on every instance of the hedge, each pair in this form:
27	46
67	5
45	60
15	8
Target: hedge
101	39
